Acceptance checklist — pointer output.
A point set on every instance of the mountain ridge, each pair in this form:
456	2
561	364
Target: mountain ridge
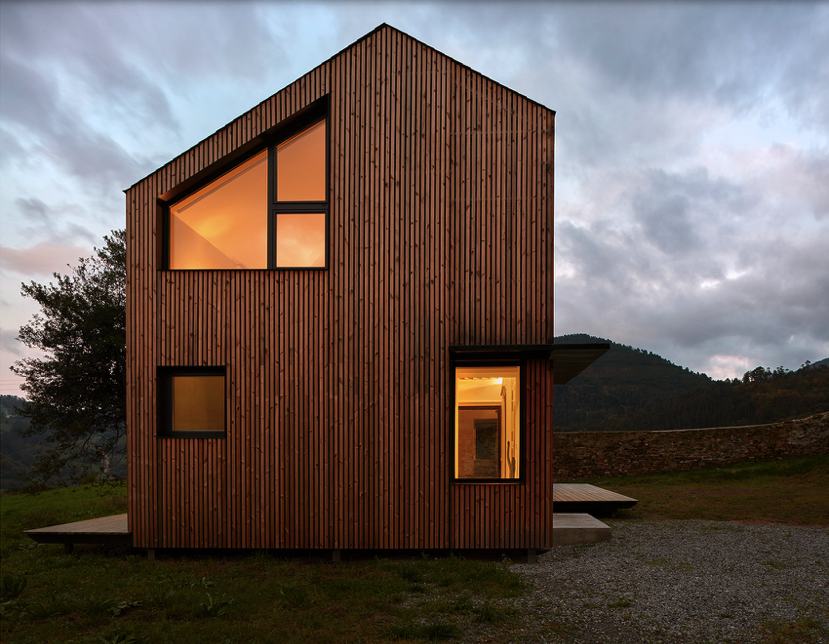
634	389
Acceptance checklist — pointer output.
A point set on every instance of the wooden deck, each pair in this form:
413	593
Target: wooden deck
581	497
111	531
568	528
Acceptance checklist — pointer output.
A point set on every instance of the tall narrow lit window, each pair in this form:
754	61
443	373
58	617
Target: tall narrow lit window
270	211
300	199
487	422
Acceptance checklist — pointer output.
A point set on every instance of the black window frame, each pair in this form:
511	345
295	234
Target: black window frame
164	391
487	360
313	114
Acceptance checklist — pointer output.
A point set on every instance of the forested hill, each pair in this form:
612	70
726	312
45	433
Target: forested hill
630	389
16	453
623	379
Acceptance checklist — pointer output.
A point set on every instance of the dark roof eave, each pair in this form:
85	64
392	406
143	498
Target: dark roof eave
569	360
500	350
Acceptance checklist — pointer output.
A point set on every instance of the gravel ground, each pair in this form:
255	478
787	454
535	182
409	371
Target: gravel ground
680	581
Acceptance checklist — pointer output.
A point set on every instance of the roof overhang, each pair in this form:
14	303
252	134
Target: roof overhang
494	351
569	360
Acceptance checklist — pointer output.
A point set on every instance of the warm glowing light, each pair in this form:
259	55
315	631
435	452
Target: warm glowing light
300	240
300	166
487	422
224	225
198	403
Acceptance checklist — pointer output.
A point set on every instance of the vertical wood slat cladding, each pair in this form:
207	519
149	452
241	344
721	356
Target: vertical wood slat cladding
339	416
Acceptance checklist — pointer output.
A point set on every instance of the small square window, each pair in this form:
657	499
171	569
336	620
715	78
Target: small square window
192	401
488	422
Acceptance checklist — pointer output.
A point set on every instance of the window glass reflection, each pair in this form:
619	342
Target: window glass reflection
198	404
300	240
224	225
300	166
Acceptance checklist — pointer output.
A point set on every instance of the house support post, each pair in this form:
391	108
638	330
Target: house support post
531	555
150	554
335	555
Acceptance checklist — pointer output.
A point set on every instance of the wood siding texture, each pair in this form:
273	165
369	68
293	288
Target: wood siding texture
340	424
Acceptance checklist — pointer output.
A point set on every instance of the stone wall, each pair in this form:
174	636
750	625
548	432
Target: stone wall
584	455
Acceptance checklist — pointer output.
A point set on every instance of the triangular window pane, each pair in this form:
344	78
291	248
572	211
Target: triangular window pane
224	225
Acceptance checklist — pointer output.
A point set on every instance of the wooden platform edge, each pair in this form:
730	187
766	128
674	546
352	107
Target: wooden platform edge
583	497
575	529
111	530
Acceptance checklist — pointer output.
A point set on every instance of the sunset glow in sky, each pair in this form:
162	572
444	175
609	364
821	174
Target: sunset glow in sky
692	146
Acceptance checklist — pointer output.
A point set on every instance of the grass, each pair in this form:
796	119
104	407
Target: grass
791	492
99	595
118	596
52	507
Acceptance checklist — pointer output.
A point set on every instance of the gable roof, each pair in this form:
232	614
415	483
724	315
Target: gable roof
385	25
328	61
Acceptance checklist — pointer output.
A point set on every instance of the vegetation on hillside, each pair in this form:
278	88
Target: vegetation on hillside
16	452
775	396
629	389
623	379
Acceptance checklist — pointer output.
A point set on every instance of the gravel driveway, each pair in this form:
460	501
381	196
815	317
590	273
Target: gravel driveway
680	581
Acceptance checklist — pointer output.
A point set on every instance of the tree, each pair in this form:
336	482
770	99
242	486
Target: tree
76	394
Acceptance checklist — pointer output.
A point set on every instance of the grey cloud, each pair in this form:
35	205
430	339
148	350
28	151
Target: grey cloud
733	55
673	207
10	344
780	299
225	40
804	82
646	81
816	170
33	208
665	218
661	231
601	255
70	50
53	224
69	68
61	133
689	264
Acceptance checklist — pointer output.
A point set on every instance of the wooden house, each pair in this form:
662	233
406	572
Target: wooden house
340	317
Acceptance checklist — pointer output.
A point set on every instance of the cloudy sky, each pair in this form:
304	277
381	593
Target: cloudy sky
692	202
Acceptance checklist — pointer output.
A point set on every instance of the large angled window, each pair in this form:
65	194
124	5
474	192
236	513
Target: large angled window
270	211
488	422
225	224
